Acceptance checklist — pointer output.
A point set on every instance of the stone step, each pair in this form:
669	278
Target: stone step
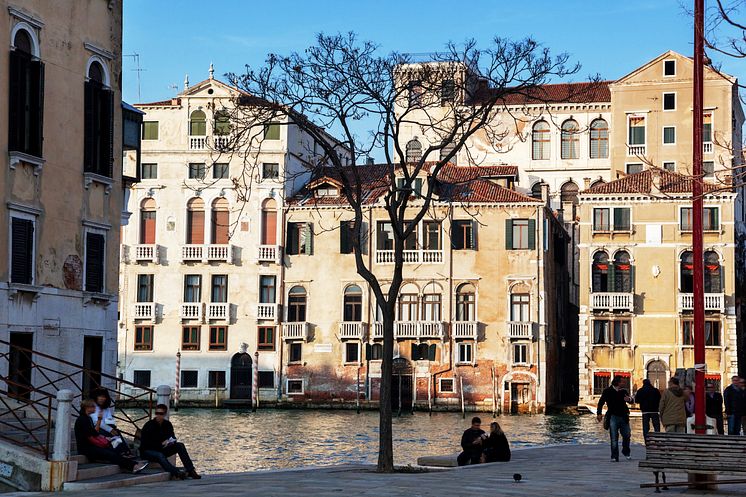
117	480
90	471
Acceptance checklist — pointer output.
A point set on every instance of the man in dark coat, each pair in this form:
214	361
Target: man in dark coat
714	406
649	398
472	443
734	398
158	443
616	398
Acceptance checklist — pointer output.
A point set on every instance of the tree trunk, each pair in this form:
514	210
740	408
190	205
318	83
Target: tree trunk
385	438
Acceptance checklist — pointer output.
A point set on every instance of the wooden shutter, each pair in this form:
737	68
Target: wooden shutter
196	227
16	104
531	234
308	239
292	243
269	227
631	278
415	352
509	234
89	127
105	132
22	246
36	111
368	353
94	262
610	278
473	236
220	227
345	237
147	228
431	352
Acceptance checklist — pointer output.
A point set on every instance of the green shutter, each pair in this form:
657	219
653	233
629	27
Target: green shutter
531	234
309	239
415	352
508	234
431	352
610	277
473	236
291	245
418	187
631	278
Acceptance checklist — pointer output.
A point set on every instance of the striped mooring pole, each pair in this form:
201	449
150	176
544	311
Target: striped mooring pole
255	383
177	383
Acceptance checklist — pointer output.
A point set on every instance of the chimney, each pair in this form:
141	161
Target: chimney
586	183
370	161
212	71
186	81
545	194
655	180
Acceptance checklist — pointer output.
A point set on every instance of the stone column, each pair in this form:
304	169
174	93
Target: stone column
163	395
62	426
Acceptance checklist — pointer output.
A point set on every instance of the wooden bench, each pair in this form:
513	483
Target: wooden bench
693	454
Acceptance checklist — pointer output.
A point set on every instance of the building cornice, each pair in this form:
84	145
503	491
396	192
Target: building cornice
24	16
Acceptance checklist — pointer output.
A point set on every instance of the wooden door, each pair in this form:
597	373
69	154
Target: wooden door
20	365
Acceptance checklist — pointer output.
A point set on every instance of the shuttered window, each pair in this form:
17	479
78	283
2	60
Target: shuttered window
220	227
195	227
299	238
25	104
99	129
520	234
147	227
22	251
346	236
94	262
463	235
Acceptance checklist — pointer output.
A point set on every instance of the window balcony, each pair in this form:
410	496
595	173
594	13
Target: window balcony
221	142
432	329
465	329
411	256
351	330
417	329
146	253
635	150
269	253
406	329
191	310
713	302
295	331
206	253
378	331
218	311
521	329
612	301
266	311
197	142
707	148
144	311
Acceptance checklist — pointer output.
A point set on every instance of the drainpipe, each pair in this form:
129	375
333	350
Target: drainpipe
450	318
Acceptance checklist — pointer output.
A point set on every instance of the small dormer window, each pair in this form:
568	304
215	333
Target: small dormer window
327	191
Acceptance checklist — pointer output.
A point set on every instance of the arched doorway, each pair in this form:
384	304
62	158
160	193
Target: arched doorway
657	373
401	385
241	372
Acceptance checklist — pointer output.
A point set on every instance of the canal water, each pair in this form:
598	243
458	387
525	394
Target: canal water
222	441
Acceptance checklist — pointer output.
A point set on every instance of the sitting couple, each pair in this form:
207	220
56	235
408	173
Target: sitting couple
99	440
479	447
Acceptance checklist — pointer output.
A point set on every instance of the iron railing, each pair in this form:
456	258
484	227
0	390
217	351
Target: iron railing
46	376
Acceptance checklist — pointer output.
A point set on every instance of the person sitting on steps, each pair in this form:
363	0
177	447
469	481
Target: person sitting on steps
471	442
158	443
105	413
496	447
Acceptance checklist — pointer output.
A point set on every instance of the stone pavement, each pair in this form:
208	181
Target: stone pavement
559	470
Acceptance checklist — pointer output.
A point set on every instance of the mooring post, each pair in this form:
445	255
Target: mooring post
62	422
163	396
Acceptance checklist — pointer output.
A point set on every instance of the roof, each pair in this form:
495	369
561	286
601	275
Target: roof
453	184
162	103
642	182
585	92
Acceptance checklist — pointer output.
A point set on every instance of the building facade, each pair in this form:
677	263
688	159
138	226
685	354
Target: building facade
61	134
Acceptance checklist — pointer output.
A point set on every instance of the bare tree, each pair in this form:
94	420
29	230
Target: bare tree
340	84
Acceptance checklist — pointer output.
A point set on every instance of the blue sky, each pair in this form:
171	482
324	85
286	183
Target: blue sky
174	38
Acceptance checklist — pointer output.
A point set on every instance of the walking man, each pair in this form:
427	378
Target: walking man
649	398
672	408
158	443
735	404
616	398
714	406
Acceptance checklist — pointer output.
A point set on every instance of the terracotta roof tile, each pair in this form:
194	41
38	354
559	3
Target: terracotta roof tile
162	103
642	182
586	92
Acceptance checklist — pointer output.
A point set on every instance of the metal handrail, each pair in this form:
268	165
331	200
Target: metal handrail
46	404
127	421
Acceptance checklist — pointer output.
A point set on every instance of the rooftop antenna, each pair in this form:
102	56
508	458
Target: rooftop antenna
138	70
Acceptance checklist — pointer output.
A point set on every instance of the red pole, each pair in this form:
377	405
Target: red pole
697	200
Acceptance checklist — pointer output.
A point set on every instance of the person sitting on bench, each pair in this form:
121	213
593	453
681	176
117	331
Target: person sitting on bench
158	443
471	442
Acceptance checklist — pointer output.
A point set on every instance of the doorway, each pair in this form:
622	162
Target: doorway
241	376
401	386
93	350
657	373
20	365
520	397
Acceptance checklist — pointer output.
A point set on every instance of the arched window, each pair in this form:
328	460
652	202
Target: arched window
600	272
432	302
599	139
25	105
195	222
269	222
536	190
147	222
220	221
99	121
540	141
713	274
353	304
657	373
414	150
222	123
466	300
569	193
407	308
374	351
197	123
570	140
687	272
297	304
622	272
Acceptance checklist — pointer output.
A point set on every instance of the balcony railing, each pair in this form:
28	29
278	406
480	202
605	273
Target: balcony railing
352	330
432	329
612	301
465	329
520	329
269	253
707	148
146	253
221	142
197	142
266	311
206	253
713	302
635	150
191	310
144	310
218	311
411	256
295	331
378	330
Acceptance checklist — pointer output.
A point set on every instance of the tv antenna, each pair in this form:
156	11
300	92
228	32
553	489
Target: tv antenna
136	57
